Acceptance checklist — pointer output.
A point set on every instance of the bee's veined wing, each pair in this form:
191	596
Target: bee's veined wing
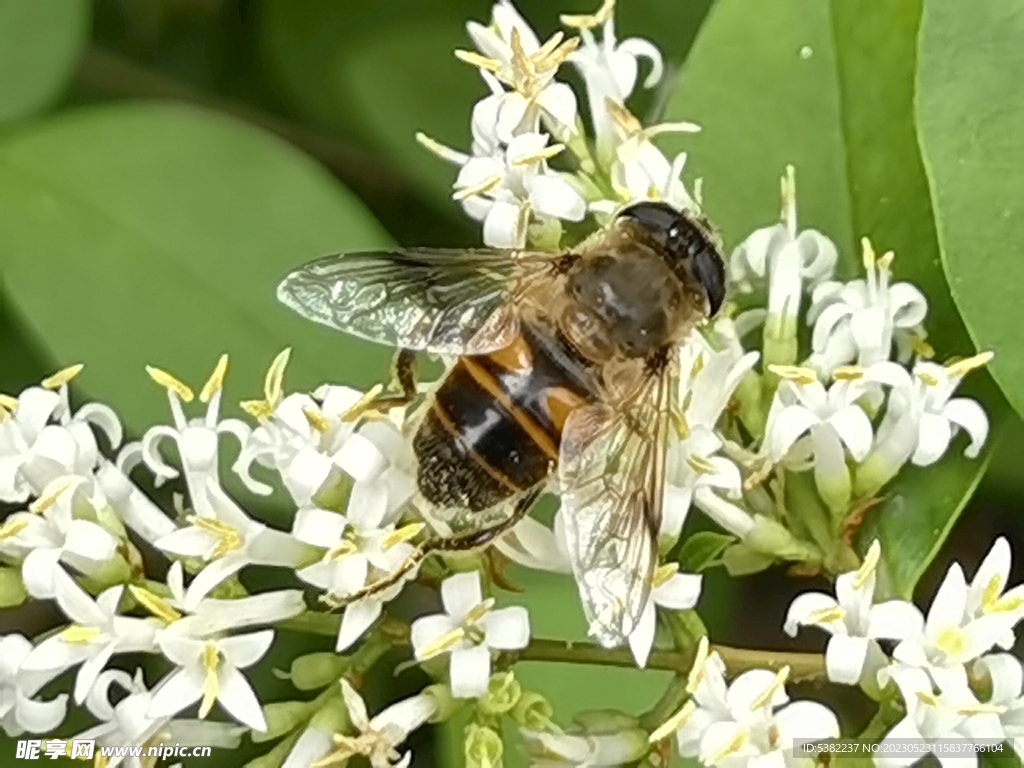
450	302
612	475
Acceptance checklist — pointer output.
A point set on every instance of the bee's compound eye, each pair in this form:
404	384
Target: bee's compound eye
657	217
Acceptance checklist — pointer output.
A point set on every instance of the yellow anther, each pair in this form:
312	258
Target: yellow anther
171	384
273	383
701	466
549	47
435	147
482	188
922	348
927	379
51	495
228	539
867	253
991	602
700	661
545	154
848	373
926	698
795	373
885	261
698	365
343	548
76	635
62	377
623	118
951	642
681	425
363	404
868	567
982	708
316	420
963	367
663	574
479	611
405	533
258	409
443	644
826	616
12	528
9	403
211	682
589	21
731	748
788	194
765	699
478	61
157	606
5	415
216	381
674	723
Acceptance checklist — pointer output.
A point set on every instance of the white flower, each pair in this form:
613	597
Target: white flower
506	192
832	422
861	320
714	377
132	506
669	589
1007	680
126	723
921	419
468	630
49	534
228	540
945	641
933	717
19	711
96	634
609	70
534	545
694	471
378	738
751	719
587	750
786	258
987	593
513	55
852	655
197	440
359	548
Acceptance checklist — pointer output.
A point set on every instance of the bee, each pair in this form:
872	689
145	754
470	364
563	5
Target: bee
565	373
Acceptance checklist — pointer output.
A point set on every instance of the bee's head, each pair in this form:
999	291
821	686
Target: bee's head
686	245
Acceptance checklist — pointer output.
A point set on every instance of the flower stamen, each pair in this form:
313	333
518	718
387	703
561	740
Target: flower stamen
211	683
228	539
157	606
589	21
777	684
674	723
482	188
697	671
962	367
701	466
170	383
76	635
795	373
216	381
61	377
405	533
663	574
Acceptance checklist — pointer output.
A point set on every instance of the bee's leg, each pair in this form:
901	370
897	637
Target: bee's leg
463	542
404	376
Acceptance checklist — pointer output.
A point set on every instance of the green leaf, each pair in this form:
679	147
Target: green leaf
971	125
829	88
702	549
40	42
155	235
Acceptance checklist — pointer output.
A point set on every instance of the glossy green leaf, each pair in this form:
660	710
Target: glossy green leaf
155	235
971	125
829	88
40	42
703	549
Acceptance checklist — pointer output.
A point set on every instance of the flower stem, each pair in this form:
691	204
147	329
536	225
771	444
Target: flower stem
804	667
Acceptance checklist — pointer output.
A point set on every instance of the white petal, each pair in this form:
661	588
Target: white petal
239	700
427	629
804	606
845	657
41	716
907	305
552	195
318	527
311	746
507	629
559	102
355	621
180	690
76	603
895	620
947	608
186	542
934	434
854	428
355	705
681	592
89	541
245	650
470	672
461	593
90	670
750	686
971	417
792	422
361	458
407	715
211	576
37	572
641	640
504	226
805	720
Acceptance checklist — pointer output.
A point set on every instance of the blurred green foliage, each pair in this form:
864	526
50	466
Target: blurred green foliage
159	171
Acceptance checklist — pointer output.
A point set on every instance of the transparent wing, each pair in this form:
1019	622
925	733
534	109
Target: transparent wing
612	474
443	301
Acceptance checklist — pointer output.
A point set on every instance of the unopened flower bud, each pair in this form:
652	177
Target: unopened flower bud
317	670
113	572
533	712
447	705
331	717
12	588
482	747
283	717
503	692
771	538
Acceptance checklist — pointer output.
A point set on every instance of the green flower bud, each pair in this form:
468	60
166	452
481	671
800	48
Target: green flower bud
334	493
741	560
317	670
533	712
503	691
545	235
12	588
113	572
283	717
109	521
230	589
332	717
447	705
769	537
604	721
482	747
